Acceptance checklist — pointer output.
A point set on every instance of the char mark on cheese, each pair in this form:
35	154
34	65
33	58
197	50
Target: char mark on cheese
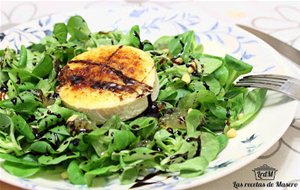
126	80
113	54
101	76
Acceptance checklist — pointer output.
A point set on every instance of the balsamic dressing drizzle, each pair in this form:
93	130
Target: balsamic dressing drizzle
178	156
55	114
182	45
156	148
129	82
141	45
228	114
181	119
3	88
14	101
36	133
76	128
152	109
155	53
56	140
114	53
76	79
18	79
75	142
170	130
198	140
20	99
205	85
31	118
142	182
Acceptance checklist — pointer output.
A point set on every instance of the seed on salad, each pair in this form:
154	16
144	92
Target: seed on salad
240	116
3	96
190	70
186	78
194	65
72	118
64	175
231	133
179	60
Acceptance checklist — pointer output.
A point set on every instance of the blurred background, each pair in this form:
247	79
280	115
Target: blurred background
281	19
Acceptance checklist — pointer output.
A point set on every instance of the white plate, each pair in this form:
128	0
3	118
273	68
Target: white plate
218	38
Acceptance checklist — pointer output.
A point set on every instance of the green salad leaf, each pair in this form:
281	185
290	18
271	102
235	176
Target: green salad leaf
60	32
182	131
75	174
20	170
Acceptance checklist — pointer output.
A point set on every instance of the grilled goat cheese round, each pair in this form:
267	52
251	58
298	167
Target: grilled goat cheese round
107	81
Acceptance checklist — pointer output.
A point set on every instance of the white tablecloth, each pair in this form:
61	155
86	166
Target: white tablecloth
280	19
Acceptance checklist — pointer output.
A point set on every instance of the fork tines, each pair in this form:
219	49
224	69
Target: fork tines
284	84
280	77
263	80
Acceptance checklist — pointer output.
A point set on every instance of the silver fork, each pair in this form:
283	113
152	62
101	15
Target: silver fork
287	85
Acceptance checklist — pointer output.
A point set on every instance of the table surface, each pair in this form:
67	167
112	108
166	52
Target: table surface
280	19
